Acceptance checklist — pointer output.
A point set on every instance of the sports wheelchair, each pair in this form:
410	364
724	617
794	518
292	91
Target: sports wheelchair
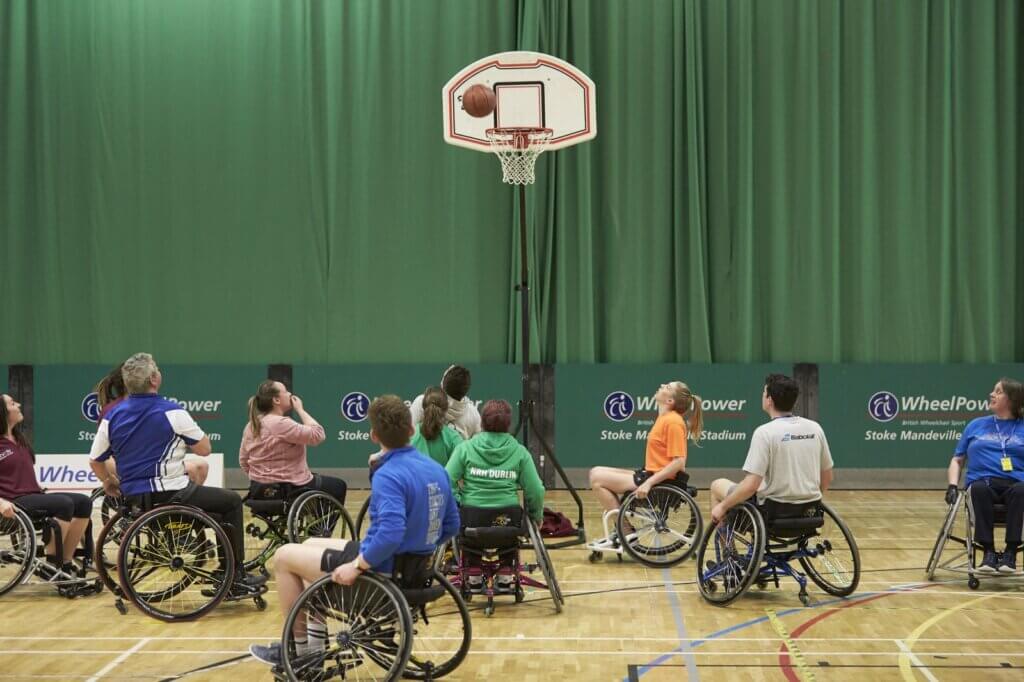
23	556
485	557
282	512
757	543
661	530
965	560
413	624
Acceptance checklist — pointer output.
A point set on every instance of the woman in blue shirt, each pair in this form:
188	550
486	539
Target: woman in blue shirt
994	448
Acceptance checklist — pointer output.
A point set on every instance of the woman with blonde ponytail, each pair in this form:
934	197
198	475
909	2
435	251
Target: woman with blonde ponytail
273	446
433	436
666	448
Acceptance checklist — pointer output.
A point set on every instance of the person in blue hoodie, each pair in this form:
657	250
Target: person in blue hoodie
412	511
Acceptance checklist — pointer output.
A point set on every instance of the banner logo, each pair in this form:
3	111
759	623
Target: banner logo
883	406
618	406
91	407
355	406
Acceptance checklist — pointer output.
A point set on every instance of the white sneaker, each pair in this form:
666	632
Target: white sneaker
475	583
505	583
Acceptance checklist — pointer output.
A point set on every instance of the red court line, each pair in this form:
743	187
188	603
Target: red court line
784	664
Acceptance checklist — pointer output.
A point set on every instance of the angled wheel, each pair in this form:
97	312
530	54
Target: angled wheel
730	555
832	559
263	536
546	567
363	519
175	563
107	547
442	633
940	542
661	530
17	550
367	631
108	506
315	514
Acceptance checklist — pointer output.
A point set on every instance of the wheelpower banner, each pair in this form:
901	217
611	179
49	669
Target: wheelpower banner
66	407
903	416
603	412
339	397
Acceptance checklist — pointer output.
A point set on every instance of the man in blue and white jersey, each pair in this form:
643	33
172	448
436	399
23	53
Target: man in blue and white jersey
149	435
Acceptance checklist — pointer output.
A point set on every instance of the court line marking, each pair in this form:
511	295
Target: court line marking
904	660
787	641
99	638
120	659
684	638
906	652
548	652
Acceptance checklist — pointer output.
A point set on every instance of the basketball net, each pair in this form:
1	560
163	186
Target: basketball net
518	149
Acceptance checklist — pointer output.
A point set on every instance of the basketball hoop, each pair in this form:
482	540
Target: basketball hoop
518	149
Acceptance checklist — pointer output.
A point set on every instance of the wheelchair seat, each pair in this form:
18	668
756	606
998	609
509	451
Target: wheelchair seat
414	576
497	528
786	520
270	499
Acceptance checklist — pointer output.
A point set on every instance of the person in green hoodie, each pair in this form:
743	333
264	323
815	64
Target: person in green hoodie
433	437
493	466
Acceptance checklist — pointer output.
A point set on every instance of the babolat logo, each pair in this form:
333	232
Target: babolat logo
618	406
883	406
91	407
797	436
355	406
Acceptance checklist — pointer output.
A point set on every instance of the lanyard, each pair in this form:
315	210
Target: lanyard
1004	441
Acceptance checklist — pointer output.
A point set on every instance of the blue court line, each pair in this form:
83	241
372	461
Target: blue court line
739	626
684	639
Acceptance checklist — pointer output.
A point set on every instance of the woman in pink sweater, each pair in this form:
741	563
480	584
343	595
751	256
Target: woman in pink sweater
274	445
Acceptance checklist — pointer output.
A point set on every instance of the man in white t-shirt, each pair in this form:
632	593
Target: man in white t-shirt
462	413
788	461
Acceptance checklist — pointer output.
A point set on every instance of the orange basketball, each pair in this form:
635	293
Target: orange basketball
479	101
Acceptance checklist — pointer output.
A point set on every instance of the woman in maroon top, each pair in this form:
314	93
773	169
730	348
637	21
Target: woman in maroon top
18	484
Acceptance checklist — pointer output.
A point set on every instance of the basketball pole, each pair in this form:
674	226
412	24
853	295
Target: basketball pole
526	404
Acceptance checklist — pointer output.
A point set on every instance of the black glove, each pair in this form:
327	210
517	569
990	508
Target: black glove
951	493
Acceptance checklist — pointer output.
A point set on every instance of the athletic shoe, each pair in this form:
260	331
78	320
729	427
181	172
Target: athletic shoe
1008	563
270	654
475	583
505	583
990	564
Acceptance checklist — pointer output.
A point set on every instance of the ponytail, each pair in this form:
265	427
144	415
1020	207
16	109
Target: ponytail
696	418
110	387
260	404
435	409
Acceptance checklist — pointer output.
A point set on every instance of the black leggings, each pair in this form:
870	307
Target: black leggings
987	491
335	487
226	504
64	506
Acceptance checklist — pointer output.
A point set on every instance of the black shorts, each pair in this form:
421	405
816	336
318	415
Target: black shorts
641	475
332	558
64	506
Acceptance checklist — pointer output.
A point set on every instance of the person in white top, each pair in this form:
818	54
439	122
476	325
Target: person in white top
462	413
788	460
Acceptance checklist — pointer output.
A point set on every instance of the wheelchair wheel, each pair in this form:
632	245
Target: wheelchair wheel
175	563
368	631
940	542
546	567
442	633
666	526
108	507
730	555
263	536
835	565
107	547
363	519
315	514
17	550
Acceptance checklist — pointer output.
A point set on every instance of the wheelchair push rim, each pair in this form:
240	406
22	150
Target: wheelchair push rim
175	563
17	550
831	558
442	634
662	530
730	555
109	540
368	631
315	514
547	569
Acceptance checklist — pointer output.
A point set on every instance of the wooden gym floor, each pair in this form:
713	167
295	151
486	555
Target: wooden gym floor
621	621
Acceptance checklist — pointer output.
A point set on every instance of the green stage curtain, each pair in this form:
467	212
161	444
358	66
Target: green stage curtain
773	180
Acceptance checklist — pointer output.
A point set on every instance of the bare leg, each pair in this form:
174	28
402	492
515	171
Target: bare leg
720	490
295	567
71	533
608	483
